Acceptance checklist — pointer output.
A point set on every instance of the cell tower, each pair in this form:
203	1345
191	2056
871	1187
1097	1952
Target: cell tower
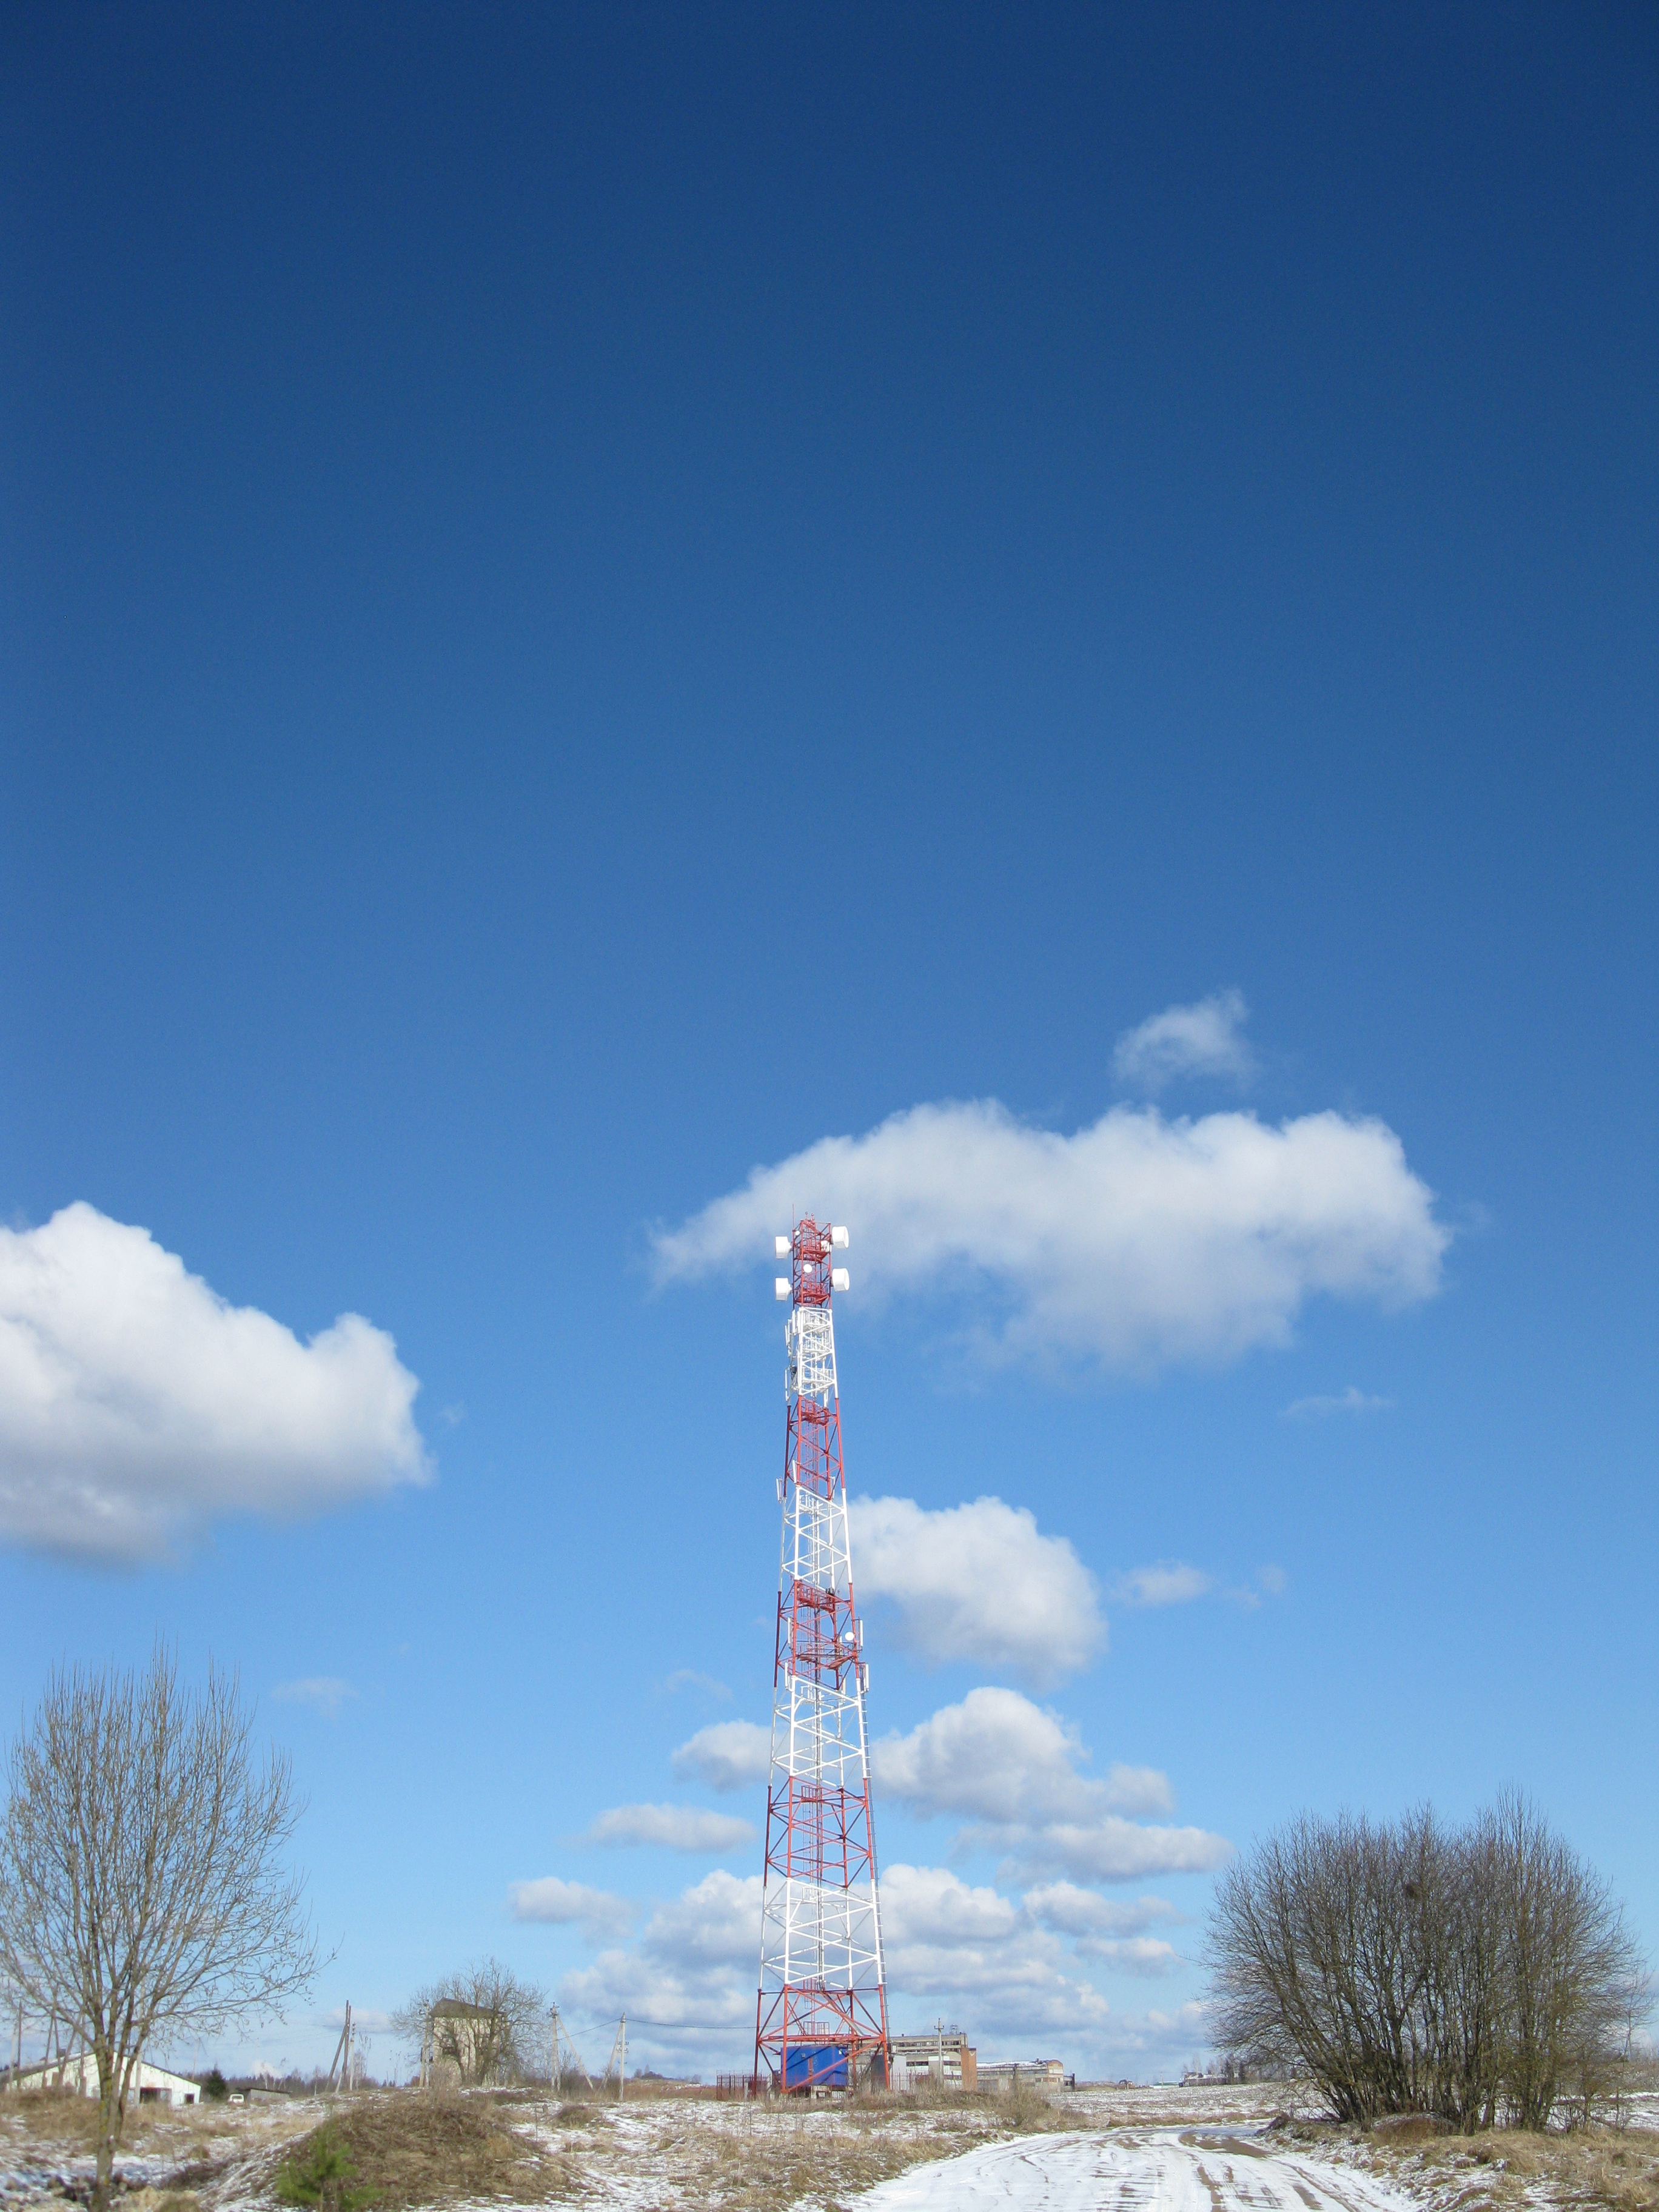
821	2014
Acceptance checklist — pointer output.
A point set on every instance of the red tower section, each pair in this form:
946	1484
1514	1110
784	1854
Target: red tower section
821	2015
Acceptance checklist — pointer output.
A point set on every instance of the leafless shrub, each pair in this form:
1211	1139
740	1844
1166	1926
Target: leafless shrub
141	1893
1472	1975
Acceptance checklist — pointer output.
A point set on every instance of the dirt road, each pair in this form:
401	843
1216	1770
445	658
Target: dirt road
1134	2170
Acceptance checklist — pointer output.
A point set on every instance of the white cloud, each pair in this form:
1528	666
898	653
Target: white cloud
944	1939
1013	1771
564	1904
1350	1401
323	1693
1109	1850
136	1405
687	1678
977	1581
1273	1580
729	1755
1204	1039
715	1922
688	1983
675	1827
1112	1932
1132	1955
1135	1241
998	1757
1157	2041
1074	1911
1168	1583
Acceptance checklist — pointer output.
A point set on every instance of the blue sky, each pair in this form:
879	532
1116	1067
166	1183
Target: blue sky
590	601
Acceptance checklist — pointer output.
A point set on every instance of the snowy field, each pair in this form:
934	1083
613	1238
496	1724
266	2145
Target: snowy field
1203	2148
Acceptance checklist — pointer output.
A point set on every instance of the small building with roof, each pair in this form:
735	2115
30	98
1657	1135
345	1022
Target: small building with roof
77	2074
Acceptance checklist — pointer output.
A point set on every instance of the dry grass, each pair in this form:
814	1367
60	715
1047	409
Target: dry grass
765	2157
409	2149
61	2122
1502	2170
54	2118
1609	2166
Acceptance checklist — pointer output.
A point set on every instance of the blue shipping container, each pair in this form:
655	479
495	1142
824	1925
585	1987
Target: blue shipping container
815	2066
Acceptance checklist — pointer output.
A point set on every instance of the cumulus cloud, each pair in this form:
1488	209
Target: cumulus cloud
1206	1038
945	1938
1074	1911
136	1405
998	1757
1109	1850
730	1755
977	1581
675	1828
597	1912
1159	2038
1169	1582
715	1922
1133	1241
1132	1955
689	1980
1114	1933
323	1693
1013	1771
1350	1401
688	1983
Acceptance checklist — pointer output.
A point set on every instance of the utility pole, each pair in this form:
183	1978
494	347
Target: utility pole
821	2008
342	2064
561	2033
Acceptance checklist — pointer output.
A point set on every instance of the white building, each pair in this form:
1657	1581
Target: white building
941	2059
1005	2073
150	2085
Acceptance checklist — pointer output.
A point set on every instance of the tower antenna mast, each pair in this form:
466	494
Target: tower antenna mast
821	2012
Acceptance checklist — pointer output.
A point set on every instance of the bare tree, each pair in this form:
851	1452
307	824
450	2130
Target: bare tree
1409	1968
483	2023
1572	1971
1310	1946
142	1896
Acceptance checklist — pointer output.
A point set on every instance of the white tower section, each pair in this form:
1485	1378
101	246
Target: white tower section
821	2018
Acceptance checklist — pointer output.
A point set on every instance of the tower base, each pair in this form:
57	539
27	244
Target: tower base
811	2036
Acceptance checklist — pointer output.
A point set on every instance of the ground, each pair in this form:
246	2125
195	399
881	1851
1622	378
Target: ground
1205	2149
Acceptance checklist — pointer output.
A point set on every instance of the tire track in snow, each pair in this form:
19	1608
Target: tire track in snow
1121	2170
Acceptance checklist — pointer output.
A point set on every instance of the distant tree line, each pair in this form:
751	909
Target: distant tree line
1480	1974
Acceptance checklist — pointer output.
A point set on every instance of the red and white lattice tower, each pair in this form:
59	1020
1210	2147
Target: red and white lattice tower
821	2017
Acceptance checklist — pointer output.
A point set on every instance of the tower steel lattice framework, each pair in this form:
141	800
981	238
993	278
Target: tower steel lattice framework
821	2013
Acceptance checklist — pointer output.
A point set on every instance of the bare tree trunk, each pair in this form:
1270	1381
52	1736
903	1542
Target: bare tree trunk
111	2117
